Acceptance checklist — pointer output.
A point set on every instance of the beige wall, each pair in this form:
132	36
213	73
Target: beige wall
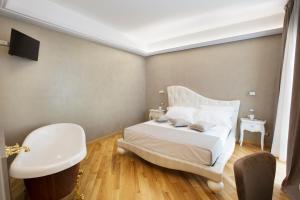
226	71
103	89
98	87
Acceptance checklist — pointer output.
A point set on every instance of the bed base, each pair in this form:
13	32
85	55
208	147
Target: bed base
182	96
214	174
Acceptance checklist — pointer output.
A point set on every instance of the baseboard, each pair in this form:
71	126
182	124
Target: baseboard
105	137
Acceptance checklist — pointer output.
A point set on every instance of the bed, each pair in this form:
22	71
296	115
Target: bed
181	148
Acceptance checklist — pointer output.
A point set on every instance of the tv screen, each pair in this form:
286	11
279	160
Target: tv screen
24	46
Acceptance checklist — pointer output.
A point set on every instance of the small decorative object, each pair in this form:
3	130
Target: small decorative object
162	119
251	115
161	96
156	113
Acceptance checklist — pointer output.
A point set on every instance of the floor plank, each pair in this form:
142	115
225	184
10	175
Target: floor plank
110	176
130	177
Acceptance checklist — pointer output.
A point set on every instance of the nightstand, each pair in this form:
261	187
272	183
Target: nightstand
253	126
155	113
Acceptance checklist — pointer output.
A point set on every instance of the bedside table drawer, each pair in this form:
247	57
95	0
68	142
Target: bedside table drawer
252	127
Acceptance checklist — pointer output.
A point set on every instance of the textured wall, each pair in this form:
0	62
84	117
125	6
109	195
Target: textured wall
98	87
226	71
103	89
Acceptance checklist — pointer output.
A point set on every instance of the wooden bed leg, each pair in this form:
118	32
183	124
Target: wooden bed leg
121	150
216	187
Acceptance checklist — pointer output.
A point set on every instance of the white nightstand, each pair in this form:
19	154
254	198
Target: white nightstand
155	113
253	126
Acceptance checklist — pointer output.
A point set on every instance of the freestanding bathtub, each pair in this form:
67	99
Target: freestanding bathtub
51	166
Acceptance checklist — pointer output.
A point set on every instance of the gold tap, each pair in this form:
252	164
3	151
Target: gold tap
11	150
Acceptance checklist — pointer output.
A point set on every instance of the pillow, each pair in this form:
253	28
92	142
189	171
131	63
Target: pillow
228	109
179	122
218	115
162	119
202	126
180	112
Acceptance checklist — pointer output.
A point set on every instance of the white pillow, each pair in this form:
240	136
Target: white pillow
228	109
219	115
179	122
202	126
180	112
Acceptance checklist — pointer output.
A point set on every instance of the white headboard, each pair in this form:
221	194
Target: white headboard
182	96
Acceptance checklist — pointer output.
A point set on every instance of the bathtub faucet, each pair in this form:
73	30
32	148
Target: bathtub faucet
11	150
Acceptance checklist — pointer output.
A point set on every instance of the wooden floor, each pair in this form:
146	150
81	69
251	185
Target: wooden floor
108	175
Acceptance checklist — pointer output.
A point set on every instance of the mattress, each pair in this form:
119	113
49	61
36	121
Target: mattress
181	143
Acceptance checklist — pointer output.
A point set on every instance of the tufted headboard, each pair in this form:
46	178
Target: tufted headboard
182	96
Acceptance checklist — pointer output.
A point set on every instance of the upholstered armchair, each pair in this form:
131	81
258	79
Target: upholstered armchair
254	176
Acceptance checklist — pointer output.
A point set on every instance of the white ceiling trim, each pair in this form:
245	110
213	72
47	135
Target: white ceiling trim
219	41
246	30
220	17
68	21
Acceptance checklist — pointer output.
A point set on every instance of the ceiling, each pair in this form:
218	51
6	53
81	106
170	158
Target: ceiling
148	27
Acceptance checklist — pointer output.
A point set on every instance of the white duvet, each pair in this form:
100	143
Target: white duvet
181	143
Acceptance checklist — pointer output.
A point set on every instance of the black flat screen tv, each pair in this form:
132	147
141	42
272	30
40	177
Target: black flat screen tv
24	46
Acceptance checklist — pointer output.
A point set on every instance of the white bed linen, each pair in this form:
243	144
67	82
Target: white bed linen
181	143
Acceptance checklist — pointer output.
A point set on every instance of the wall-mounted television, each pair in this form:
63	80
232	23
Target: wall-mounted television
24	46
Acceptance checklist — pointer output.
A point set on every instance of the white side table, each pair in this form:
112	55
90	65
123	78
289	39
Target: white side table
253	126
155	113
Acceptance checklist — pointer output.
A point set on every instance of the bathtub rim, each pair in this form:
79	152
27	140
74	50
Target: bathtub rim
19	171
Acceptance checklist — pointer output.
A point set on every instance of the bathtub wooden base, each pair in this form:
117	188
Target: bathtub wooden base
54	186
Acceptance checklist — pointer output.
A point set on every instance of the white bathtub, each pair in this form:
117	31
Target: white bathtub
53	148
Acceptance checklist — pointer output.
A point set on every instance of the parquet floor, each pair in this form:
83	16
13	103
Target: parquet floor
110	176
